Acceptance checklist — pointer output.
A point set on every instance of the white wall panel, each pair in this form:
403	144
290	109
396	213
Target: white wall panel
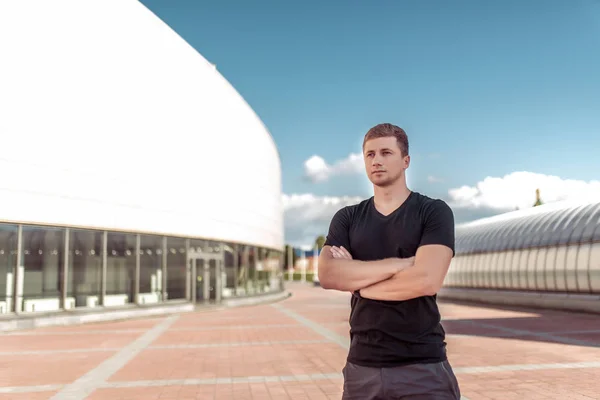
501	266
594	267
583	263
520	264
559	268
531	268
485	270
111	120
570	267
548	268
450	276
540	268
481	269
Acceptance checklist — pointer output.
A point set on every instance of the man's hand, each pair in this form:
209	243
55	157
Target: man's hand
406	263
401	263
340	252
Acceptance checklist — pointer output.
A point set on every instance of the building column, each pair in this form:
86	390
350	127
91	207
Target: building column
165	294
19	274
104	275
65	271
188	271
236	263
136	285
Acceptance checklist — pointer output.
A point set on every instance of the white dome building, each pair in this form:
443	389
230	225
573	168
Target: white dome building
129	163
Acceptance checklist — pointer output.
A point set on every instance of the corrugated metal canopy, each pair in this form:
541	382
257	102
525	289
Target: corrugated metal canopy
547	225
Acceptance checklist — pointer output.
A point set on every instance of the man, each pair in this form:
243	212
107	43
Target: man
392	251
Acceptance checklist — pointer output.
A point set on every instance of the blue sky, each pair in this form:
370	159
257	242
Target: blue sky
484	90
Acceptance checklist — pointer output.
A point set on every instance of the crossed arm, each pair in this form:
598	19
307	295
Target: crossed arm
337	270
391	279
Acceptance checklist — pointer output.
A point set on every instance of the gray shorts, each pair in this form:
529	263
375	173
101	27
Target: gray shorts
411	382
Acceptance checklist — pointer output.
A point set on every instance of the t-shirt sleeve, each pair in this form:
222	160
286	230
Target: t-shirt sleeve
439	225
339	227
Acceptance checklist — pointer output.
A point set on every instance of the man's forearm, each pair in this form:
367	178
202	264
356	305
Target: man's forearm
407	284
351	275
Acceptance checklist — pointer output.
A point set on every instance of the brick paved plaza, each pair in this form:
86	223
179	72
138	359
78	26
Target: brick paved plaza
294	349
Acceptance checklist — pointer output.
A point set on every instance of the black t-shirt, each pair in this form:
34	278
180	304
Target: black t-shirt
394	333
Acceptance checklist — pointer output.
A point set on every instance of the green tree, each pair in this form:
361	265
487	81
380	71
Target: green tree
538	199
289	249
320	242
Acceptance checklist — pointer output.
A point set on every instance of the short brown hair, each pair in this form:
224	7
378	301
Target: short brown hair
389	130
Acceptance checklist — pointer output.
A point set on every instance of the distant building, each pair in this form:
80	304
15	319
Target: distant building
306	260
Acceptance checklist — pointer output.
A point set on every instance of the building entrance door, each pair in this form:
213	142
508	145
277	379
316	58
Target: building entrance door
206	271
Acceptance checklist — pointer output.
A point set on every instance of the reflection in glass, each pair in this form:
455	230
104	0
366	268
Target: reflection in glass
151	277
242	274
176	268
8	262
43	258
84	277
120	269
230	258
245	270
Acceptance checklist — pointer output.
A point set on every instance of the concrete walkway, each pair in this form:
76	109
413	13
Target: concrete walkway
293	349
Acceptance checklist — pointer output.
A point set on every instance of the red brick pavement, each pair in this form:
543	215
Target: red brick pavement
294	349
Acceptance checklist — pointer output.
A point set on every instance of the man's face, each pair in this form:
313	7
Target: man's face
384	161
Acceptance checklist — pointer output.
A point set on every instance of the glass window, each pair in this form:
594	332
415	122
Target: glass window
230	265
176	268
120	269
8	262
243	274
84	277
252	271
43	260
151	274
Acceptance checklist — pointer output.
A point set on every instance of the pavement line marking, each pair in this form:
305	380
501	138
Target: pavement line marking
236	327
533	333
30	389
526	367
64	351
321	330
222	381
287	378
162	347
234	344
206	328
89	382
83	332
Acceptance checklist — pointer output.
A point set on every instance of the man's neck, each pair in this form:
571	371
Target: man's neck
389	198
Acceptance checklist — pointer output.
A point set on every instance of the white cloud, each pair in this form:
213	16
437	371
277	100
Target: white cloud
518	190
308	216
317	170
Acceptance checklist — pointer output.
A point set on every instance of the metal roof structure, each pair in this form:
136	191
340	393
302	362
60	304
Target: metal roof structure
552	224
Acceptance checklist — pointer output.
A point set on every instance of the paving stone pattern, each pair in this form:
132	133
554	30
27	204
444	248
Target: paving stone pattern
294	349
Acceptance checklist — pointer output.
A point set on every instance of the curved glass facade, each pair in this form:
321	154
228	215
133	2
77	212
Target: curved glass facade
47	268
